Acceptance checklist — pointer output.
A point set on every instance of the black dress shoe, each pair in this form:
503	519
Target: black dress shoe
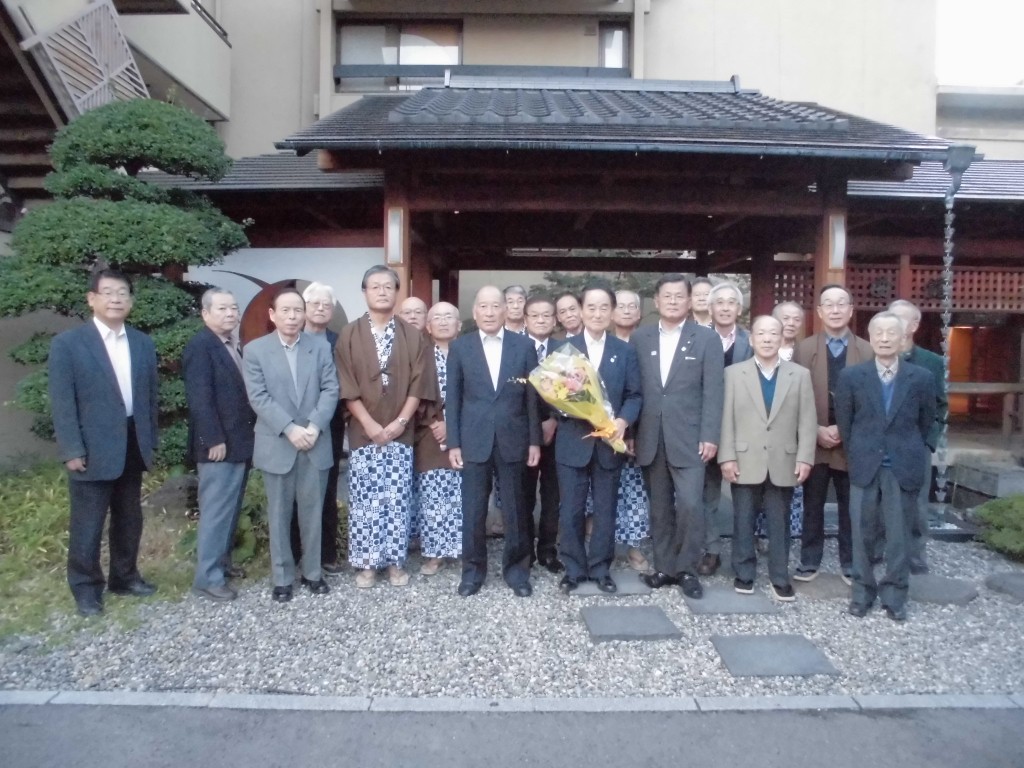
709	564
896	614
318	587
468	588
88	607
552	563
658	580
568	585
522	590
859	610
234	572
137	588
606	584
282	594
691	586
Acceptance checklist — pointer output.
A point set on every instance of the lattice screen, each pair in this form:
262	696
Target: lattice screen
795	282
873	287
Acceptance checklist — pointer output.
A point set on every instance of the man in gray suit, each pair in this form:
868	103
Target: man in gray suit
293	388
681	372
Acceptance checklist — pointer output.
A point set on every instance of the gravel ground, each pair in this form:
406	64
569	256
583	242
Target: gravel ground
424	640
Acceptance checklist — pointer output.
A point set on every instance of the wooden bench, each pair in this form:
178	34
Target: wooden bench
1013	399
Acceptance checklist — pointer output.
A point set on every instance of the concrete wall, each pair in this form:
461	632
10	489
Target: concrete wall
568	41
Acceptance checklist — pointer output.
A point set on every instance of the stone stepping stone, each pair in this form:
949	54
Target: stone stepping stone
725	600
1009	583
827	586
620	622
771	656
928	588
627	580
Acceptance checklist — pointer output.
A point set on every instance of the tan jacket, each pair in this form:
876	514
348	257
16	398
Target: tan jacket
812	353
767	445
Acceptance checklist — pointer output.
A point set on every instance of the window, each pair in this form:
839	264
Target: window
613	38
395	45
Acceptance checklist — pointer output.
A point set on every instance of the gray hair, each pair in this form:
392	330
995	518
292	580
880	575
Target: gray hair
777	310
316	289
887	315
514	290
209	293
722	287
908	305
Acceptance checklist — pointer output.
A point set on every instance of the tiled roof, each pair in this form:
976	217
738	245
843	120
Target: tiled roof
983	180
283	170
722	120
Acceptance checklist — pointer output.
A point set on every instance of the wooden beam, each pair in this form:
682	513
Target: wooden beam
314	238
488	260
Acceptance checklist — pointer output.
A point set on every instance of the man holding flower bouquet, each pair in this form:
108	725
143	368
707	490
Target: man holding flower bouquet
585	463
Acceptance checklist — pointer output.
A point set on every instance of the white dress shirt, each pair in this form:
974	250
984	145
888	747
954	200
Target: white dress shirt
120	356
668	341
595	347
492	351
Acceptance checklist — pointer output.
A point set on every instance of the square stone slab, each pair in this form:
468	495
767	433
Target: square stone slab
1009	583
825	586
927	588
620	622
771	656
719	599
627	580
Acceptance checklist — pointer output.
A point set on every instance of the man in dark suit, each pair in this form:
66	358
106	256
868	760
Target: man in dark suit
493	425
725	302
103	395
587	464
220	437
292	386
884	410
682	380
933	363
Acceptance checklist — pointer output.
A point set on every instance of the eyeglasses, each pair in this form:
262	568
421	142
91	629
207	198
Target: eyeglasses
631	305
108	293
828	306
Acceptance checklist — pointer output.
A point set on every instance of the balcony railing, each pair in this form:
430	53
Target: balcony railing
442	71
89	57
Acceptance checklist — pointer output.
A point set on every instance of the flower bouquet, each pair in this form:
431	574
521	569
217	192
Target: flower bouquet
566	380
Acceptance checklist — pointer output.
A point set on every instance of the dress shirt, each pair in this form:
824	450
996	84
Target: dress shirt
595	347
728	340
120	356
767	372
291	354
887	374
492	351
836	344
542	347
667	343
234	349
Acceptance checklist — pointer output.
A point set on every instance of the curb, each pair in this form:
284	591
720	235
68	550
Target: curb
280	702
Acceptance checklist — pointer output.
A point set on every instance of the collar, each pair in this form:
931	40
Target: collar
500	335
285	344
882	369
768	372
678	329
730	336
537	341
589	340
844	339
107	332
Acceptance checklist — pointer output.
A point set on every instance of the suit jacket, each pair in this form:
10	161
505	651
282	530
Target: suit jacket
767	445
218	411
88	410
741	349
687	410
272	394
934	364
620	373
476	416
870	433
813	353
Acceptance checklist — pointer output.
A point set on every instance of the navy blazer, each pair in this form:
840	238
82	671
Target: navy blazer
869	433
218	410
476	416
741	349
88	410
620	373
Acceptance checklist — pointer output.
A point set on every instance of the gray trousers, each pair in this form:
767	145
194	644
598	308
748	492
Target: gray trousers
677	514
775	500
304	485
881	501
712	500
917	545
221	490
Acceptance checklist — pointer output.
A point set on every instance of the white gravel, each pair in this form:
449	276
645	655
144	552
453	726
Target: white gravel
424	640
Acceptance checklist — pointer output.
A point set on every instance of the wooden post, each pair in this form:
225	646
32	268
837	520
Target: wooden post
450	289
762	284
396	231
903	282
421	277
830	253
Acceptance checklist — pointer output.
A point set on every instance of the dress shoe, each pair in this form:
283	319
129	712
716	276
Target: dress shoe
568	585
784	593
858	609
709	564
522	590
657	580
219	593
552	563
918	568
282	594
847	578
607	584
691	586
743	587
332	569
805	574
234	572
469	588
318	587
896	614
88	607
137	588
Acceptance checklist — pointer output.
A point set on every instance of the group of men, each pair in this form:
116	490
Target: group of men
434	420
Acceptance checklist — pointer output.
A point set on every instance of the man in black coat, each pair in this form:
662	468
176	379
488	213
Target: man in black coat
220	439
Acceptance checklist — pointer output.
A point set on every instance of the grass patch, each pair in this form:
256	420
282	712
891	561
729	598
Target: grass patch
1003	521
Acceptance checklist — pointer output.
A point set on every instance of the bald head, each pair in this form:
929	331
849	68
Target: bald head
414	312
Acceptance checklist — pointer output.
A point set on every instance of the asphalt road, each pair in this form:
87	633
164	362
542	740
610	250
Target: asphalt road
108	737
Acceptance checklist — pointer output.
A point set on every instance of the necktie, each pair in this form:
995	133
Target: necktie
887	375
235	351
542	351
